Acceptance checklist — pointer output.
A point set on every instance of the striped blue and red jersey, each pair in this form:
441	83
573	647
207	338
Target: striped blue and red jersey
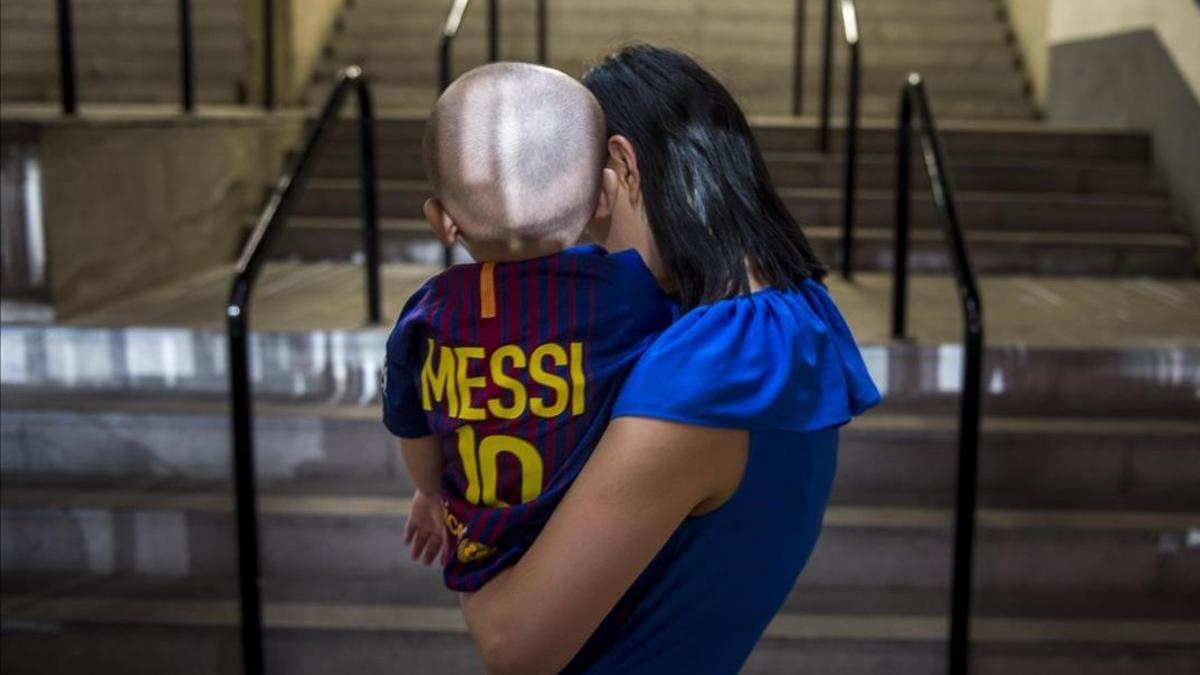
515	367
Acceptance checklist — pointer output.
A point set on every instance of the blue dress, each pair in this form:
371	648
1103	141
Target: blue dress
783	365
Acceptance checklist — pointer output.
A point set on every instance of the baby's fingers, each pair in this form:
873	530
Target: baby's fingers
435	545
418	546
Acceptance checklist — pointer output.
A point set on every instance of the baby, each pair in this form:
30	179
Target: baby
500	375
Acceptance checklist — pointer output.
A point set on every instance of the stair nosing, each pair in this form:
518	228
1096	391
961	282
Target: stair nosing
785	626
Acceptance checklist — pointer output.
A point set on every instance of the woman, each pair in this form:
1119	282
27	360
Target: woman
687	528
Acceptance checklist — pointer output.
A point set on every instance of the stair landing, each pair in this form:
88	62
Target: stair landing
1077	312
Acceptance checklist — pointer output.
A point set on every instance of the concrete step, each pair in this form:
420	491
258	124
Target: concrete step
873	104
571	49
1058	346
121	90
634	13
875	208
957	91
188	627
403	128
760	23
88	14
189	531
992	251
219	42
814	170
123	65
1026	462
945	77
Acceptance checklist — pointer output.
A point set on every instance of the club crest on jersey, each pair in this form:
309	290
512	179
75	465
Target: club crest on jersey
470	551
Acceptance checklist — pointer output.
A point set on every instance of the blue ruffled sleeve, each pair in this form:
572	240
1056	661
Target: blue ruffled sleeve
774	359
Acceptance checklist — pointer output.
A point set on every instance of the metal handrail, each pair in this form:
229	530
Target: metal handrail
913	100
852	38
270	222
543	32
799	27
850	29
187	81
68	96
268	53
66	58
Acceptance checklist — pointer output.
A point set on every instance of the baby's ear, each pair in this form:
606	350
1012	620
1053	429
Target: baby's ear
440	222
608	194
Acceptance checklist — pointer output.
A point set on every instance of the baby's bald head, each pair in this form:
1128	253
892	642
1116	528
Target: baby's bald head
515	153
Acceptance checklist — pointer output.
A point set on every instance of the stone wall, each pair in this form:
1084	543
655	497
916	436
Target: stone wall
1124	63
129	203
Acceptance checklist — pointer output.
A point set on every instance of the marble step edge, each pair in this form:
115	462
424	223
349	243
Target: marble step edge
1165	239
835	193
437	619
415	119
423	587
875	423
397	149
174	498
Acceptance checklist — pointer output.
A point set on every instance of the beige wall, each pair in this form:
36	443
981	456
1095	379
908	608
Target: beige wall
1030	19
301	30
1041	24
128	204
1177	23
307	24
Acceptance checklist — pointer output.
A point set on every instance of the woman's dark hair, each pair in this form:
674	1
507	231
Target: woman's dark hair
710	203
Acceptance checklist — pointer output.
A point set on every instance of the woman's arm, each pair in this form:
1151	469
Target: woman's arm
640	483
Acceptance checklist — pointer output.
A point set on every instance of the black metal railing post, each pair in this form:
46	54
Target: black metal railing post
798	40
826	73
903	187
543	33
186	76
237	316
370	203
66	58
245	490
958	650
493	31
268	46
915	104
850	25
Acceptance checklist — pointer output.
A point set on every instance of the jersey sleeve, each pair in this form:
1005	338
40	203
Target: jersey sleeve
779	360
402	412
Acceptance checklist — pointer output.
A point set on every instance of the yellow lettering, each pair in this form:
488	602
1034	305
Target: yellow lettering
505	381
466	410
527	456
440	384
482	467
539	374
578	382
466	452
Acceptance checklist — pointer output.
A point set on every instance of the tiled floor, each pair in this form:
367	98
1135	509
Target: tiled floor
1029	311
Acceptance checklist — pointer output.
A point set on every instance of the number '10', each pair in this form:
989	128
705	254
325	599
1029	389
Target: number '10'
481	465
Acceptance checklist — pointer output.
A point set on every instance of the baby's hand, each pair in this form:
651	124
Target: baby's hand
425	531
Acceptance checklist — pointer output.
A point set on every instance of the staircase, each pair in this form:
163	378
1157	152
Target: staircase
116	514
126	51
964	47
118	528
1036	198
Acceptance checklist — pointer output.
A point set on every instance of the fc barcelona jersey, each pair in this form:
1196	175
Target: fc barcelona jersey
515	367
